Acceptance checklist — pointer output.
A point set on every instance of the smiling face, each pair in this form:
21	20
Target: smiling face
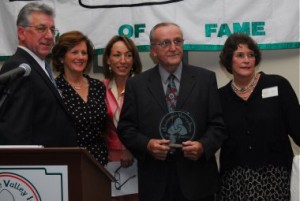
30	37
120	60
243	62
75	60
168	56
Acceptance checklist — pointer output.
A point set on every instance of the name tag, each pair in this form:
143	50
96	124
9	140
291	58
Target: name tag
269	92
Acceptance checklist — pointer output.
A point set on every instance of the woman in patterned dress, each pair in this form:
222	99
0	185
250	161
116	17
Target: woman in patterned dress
83	96
260	112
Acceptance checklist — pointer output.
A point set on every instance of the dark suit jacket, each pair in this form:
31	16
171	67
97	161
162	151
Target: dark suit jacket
145	105
33	113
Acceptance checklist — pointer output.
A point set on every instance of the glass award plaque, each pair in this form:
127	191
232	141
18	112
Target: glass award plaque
177	126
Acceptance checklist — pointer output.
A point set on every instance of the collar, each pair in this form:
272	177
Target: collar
113	87
165	74
40	61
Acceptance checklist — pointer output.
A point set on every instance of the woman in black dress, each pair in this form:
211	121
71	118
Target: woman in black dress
83	96
260	112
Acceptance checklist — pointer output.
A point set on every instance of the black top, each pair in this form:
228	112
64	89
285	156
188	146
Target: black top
258	128
89	116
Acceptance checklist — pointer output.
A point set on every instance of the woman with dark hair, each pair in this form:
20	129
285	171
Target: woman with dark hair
120	61
260	112
83	96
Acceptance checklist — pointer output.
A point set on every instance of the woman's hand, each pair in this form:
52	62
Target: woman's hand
127	158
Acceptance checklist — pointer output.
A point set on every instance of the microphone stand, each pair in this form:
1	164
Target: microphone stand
4	95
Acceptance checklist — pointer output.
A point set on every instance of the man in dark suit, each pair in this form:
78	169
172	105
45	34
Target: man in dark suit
187	170
33	112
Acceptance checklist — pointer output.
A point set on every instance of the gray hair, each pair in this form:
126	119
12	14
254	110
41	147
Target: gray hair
162	24
23	16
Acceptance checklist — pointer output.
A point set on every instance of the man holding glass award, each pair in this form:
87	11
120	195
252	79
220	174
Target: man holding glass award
173	124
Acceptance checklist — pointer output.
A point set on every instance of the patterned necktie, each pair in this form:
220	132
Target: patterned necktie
47	67
171	93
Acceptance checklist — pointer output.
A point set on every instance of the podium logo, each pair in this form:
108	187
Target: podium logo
14	187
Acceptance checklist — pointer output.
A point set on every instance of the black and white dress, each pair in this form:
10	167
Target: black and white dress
256	158
89	116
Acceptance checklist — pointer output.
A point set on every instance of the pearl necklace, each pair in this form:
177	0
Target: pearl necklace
245	89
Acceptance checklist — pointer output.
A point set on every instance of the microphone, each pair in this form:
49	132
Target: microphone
22	70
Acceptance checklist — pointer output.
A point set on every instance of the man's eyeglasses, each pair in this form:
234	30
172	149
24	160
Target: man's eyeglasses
168	43
44	29
118	183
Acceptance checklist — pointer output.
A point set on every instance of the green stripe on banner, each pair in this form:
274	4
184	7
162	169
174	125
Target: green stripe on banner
276	46
3	58
272	46
188	47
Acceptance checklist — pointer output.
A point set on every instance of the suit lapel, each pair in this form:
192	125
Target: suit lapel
187	85
35	66
156	89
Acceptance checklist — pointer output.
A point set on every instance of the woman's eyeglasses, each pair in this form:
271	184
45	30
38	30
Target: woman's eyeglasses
118	183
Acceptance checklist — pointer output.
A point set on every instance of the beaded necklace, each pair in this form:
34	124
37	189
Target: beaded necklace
245	89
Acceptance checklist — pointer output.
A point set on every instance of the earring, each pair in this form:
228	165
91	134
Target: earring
131	73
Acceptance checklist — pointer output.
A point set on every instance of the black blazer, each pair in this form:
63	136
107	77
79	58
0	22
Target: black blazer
33	113
145	105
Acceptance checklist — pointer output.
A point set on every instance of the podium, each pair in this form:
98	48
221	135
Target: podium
86	179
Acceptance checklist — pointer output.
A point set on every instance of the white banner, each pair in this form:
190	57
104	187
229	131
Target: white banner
274	24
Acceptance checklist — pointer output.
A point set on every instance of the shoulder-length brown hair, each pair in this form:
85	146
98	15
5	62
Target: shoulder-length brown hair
67	41
232	43
137	64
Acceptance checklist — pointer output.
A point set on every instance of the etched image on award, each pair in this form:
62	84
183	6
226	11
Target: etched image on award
177	126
